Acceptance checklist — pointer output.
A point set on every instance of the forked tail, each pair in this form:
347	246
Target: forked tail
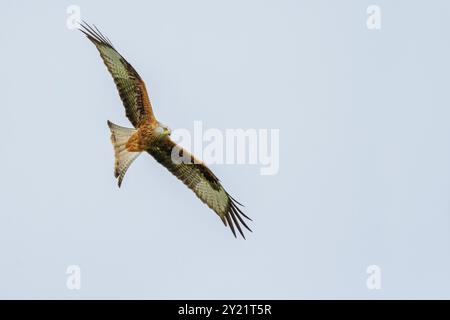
123	157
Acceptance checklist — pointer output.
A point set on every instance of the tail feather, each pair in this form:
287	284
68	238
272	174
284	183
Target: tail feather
123	157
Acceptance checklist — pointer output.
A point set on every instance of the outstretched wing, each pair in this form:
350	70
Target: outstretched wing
197	177
131	87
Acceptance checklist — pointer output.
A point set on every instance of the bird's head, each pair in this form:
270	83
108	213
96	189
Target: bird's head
162	130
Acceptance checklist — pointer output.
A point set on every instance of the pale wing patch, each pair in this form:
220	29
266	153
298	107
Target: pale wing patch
215	199
125	82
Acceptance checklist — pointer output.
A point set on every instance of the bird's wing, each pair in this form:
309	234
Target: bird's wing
201	180
131	87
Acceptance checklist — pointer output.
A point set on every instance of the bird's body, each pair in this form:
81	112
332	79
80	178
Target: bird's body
151	136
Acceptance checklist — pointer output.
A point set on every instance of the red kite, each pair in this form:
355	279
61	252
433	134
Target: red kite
153	137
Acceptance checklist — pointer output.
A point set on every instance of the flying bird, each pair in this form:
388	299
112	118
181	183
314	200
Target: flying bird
151	136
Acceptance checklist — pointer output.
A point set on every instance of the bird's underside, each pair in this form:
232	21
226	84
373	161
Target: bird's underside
151	136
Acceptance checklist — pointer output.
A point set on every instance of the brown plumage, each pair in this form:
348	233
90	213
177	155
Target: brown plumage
151	136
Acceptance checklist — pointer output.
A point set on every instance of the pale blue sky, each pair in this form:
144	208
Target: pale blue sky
364	150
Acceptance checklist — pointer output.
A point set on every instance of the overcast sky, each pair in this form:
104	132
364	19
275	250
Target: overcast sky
364	158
